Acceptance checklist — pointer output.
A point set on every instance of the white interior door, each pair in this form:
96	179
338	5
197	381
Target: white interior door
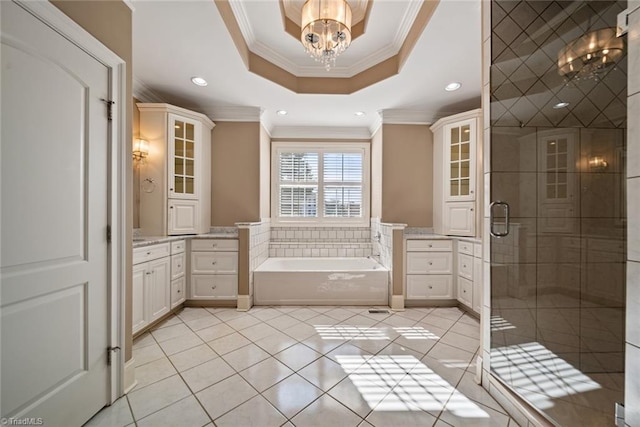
53	254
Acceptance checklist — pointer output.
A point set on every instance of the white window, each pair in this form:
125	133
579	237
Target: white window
325	184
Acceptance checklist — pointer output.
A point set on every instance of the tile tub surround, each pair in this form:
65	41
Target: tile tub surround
258	235
308	366
320	242
384	237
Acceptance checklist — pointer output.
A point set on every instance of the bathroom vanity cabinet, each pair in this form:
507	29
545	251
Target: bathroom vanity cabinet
175	178
214	269
151	280
456	170
429	269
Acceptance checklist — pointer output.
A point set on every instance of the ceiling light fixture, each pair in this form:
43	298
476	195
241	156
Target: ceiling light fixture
452	86
590	56
199	81
561	105
326	29
359	113
282	112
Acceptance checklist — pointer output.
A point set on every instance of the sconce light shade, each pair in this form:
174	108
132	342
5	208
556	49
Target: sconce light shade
597	163
140	149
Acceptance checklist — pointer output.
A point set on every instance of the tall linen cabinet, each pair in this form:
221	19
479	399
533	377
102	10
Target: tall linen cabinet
175	178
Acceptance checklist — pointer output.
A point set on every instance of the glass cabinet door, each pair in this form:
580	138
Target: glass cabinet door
182	159
460	167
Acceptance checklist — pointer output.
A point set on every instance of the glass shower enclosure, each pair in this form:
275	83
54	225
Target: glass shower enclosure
558	211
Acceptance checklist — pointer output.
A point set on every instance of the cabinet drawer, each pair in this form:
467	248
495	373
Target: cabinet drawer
208	286
429	245
477	250
465	248
177	292
211	245
422	286
177	265
148	253
465	291
214	262
465	266
429	262
177	247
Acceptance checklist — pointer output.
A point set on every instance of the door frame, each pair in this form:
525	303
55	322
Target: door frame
116	180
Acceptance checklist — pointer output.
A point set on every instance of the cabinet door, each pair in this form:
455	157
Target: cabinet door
139	308
177	292
465	291
183	217
460	160
158	288
459	218
214	262
182	162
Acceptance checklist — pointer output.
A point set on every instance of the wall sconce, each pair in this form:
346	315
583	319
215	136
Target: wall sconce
140	149
597	163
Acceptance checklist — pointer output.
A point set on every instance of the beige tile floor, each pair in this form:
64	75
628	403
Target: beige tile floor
308	366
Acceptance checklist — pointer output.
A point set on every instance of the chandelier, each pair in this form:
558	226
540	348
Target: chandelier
590	56
326	29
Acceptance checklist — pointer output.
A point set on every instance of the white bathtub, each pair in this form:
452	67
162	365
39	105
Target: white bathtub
321	281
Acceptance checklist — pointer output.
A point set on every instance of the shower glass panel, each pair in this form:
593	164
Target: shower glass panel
558	152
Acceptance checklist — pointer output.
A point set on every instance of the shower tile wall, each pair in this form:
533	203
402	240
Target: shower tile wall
320	242
558	279
632	382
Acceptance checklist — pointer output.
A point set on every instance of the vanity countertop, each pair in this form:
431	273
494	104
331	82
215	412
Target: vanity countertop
142	241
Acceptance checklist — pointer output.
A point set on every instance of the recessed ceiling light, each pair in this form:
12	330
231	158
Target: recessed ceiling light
359	113
452	86
282	112
199	81
561	105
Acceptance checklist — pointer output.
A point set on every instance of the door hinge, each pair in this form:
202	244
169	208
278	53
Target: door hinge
109	108
110	350
108	234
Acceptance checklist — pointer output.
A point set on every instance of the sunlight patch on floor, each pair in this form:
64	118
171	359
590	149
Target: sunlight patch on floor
539	374
345	332
404	383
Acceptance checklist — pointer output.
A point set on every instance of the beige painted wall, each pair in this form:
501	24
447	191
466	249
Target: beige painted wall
235	173
265	173
376	174
407	175
111	23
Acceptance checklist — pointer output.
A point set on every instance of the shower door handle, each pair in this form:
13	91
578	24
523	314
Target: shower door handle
505	207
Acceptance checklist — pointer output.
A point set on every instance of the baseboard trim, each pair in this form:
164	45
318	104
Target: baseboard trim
244	302
130	375
397	302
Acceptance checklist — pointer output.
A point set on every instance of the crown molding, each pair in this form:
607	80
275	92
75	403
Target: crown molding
129	4
243	22
405	25
405	117
315	132
368	61
376	125
235	114
144	93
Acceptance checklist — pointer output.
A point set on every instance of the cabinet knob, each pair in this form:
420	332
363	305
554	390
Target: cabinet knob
471	209
214	286
430	287
148	253
171	189
430	263
214	245
178	291
213	263
464	265
170	207
430	245
179	266
471	192
148	273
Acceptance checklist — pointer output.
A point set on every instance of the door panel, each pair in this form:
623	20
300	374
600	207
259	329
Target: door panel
54	217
